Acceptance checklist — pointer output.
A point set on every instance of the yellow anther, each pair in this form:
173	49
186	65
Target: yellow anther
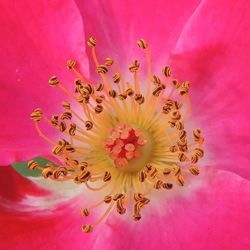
119	206
62	126
142	176
83	99
59	171
152	172
54	120
134	66
197	134
84	176
32	165
156	80
91	42
99	99
85	212
194	159
71	64
88	125
179	125
36	115
99	87
78	82
176	84
107	199
167	171
173	149
72	129
136	216
122	96
118	196
142	44
144	201
108	62
87	228
112	93
66	105
186	84
169	102
98	108
177	105
166	71
194	170
158	90
75	162
180	180
138	197
117	77
77	180
148	167
53	81
139	98
88	89
167	185
69	148
182	134
199	152
58	148
158	184
182	157
166	109
171	123
130	92
107	177
182	143
175	115
47	172
184	89
83	165
66	116
101	69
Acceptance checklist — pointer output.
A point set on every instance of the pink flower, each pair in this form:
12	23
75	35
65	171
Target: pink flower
206	43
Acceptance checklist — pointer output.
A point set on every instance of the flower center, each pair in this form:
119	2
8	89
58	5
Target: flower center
126	138
128	148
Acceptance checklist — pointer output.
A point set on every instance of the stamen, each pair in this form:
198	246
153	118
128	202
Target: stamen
108	62
130	138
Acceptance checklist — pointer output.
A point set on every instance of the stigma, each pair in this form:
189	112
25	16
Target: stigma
126	139
123	145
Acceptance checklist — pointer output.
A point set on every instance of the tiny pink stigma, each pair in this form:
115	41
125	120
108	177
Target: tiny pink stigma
123	143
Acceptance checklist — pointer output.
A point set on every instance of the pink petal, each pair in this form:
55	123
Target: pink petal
212	52
212	212
26	224
212	215
118	25
37	38
15	187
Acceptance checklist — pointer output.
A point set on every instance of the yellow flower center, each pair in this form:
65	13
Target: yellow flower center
129	135
128	148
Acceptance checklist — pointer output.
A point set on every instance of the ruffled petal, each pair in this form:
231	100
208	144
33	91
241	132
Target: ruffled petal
37	38
212	52
15	187
210	213
117	25
34	214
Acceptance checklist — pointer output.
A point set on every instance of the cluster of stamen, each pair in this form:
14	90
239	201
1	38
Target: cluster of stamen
127	138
